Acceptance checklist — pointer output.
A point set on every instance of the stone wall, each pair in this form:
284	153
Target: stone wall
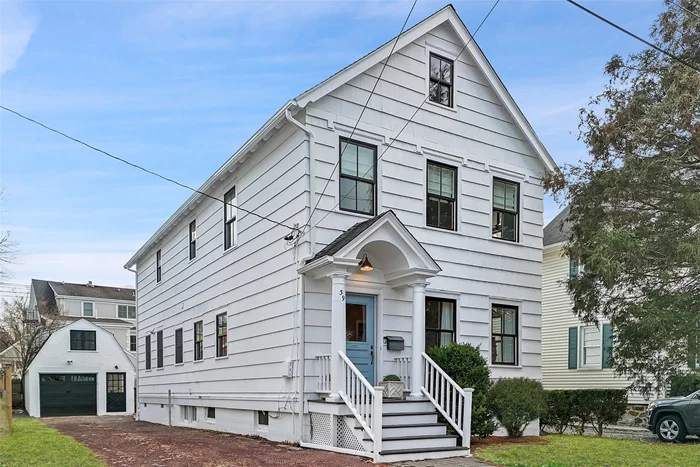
635	415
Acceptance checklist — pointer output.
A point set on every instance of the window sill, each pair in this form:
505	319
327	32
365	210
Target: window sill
507	242
441	106
193	260
84	351
198	361
230	249
148	370
591	368
221	358
178	364
500	365
438	229
355	214
160	368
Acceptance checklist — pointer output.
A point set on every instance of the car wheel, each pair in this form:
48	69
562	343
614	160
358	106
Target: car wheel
671	429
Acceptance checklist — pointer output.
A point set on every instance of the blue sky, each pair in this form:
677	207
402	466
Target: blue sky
179	86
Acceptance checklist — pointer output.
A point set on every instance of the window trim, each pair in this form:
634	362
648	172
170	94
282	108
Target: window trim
192	242
198	351
374	182
517	208
159	267
455	186
580	348
516	348
127	311
179	357
262	426
159	349
82	310
222	350
454	316
82	340
148	352
440	82
232	241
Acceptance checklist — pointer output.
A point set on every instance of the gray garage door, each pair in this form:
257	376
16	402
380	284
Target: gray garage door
68	394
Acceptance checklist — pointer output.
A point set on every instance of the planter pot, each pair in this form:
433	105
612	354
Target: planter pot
392	389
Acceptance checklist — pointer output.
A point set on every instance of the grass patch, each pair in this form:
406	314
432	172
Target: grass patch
584	451
32	443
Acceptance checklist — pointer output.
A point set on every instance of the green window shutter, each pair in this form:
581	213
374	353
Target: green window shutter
607	345
573	348
573	268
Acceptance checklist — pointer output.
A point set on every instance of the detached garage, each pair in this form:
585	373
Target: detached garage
80	370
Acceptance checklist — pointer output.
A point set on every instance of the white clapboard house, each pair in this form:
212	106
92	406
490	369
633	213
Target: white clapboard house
87	364
242	330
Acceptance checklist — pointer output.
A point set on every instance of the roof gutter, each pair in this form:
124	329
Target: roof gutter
278	120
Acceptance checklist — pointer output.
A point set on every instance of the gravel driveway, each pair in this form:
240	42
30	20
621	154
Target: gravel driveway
121	441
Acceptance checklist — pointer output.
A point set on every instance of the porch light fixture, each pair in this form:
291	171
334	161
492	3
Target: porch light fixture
366	265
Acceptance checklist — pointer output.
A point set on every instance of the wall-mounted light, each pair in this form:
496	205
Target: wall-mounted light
366	265
70	362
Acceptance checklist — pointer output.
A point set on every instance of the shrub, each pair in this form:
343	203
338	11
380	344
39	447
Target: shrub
577	407
516	402
684	384
465	365
389	378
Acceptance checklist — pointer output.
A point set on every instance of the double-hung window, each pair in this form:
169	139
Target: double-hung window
159	349
158	268
505	210
441	196
132	343
193	239
83	340
88	309
178	346
357	177
230	211
221	335
441	79
198	340
148	352
591	347
504	335
439	322
126	311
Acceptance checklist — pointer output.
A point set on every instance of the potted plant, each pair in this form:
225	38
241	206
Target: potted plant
393	387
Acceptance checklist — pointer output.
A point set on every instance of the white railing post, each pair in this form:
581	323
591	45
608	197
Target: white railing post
467	418
377	420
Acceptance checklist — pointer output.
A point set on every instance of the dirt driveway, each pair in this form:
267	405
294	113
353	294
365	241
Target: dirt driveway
121	441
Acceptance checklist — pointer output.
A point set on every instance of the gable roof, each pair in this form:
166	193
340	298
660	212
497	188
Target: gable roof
558	229
46	292
281	117
346	237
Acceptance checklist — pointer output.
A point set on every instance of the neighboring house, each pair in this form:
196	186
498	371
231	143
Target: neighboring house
574	354
10	356
248	331
88	365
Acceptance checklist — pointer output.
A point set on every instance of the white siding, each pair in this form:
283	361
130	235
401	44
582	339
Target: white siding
557	318
478	138
254	283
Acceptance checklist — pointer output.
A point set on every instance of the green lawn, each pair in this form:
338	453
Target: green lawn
582	451
32	443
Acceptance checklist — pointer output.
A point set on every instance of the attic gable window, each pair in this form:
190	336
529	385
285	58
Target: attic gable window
357	176
82	340
158	267
230	211
441	76
193	240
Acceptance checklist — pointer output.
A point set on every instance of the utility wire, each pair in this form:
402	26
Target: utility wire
361	113
409	120
136	166
620	28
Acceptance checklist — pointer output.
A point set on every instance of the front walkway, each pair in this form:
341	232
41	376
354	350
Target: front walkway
453	462
121	441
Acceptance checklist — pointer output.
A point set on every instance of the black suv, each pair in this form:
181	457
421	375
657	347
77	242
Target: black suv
673	419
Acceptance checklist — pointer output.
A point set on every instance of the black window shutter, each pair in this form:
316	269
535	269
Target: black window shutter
607	345
573	348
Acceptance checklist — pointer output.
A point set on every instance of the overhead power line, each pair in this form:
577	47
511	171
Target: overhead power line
631	34
407	122
136	166
361	113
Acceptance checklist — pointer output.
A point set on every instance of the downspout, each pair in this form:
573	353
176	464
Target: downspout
301	357
136	375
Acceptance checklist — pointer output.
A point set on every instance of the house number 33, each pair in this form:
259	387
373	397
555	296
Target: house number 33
342	294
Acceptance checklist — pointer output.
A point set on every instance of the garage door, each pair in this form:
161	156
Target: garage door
68	394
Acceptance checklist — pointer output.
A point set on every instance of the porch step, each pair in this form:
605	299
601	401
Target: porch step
419	442
393	407
398	455
409	418
414	430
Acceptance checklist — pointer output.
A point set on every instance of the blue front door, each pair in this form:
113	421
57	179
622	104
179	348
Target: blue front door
359	333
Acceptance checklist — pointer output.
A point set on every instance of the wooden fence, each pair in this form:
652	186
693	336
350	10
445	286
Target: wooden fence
6	399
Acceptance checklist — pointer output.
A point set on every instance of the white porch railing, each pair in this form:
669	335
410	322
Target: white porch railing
404	371
364	401
324	374
453	402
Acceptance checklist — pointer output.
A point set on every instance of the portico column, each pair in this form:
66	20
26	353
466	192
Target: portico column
337	333
417	339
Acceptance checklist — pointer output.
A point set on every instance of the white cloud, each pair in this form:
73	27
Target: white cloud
17	24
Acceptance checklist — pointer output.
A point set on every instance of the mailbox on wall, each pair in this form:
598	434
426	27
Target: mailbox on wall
394	342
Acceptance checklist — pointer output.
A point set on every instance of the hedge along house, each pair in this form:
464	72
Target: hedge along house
575	355
422	237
